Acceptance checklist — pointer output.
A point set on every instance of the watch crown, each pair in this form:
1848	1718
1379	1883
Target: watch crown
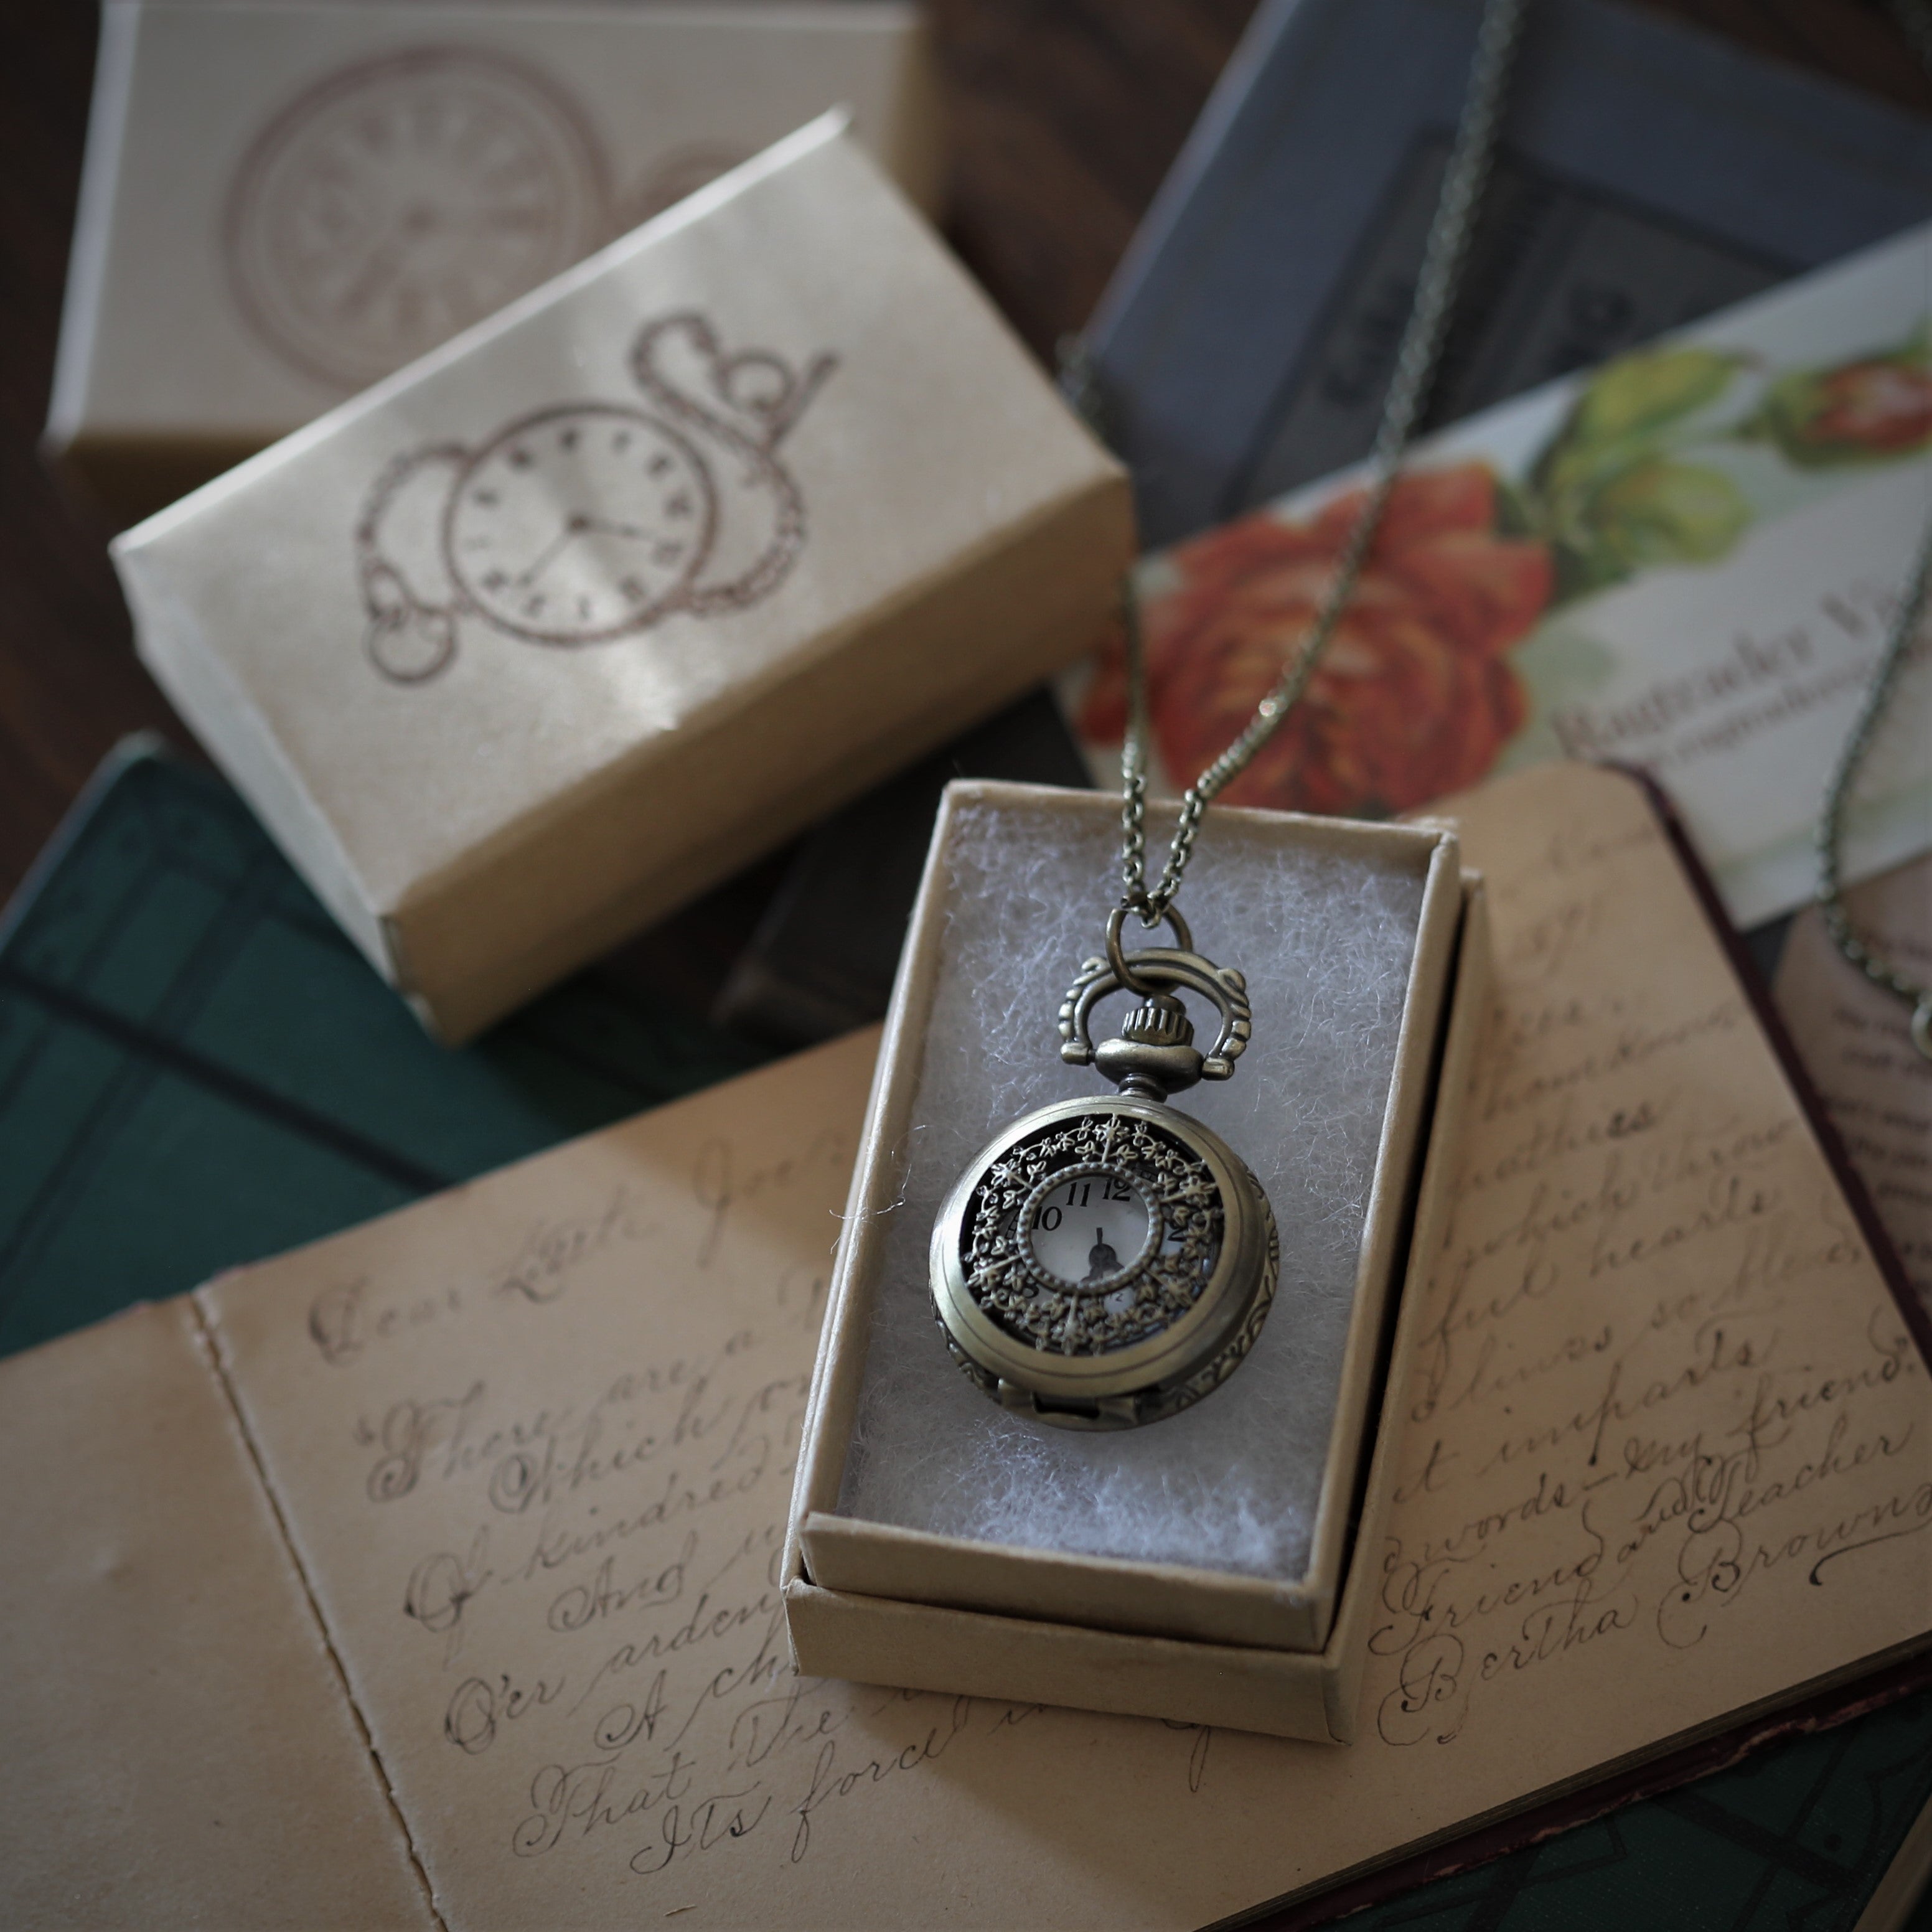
1162	1021
1155	1055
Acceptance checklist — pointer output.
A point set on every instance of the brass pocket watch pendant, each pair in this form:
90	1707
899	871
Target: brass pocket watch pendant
1107	1262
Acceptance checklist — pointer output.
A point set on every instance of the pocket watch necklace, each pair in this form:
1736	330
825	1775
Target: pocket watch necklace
1103	1263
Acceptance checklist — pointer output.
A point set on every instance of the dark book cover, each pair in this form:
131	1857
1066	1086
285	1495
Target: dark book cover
1649	175
822	959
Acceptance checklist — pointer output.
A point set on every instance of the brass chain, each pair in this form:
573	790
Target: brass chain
1457	211
1915	20
1859	950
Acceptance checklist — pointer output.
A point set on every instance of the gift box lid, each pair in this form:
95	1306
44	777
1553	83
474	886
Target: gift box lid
631	580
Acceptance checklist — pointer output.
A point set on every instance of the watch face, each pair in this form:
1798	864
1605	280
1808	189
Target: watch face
403	199
1103	1263
1093	1234
1087	1230
580	524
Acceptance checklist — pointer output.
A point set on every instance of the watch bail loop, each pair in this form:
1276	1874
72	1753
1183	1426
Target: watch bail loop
1121	963
1156	1049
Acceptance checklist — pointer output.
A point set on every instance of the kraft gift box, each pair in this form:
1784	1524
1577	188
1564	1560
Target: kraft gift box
1220	1566
584	610
282	204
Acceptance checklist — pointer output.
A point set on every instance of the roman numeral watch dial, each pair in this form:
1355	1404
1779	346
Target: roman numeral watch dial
399	199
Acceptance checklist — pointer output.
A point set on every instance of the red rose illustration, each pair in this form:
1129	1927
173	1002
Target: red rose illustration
1880	406
1414	697
1869	411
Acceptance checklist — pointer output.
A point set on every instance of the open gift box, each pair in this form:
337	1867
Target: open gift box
585	610
1221	1565
283	204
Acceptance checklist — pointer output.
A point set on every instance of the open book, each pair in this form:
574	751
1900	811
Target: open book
424	1577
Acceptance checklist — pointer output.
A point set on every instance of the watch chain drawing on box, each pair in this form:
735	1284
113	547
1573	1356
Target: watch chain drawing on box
392	203
588	521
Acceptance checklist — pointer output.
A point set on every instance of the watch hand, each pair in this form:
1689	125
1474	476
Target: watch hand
383	263
547	555
580	522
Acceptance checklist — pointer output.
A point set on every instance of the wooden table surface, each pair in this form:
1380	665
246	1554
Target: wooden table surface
1064	116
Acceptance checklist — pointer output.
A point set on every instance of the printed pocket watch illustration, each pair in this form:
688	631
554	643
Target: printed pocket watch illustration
590	521
399	199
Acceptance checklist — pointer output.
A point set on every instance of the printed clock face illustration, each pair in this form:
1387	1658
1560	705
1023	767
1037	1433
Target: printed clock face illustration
403	199
589	521
581	523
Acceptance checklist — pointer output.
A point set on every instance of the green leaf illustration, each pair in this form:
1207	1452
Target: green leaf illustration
1661	510
1639	394
1622	420
1516	515
1581	566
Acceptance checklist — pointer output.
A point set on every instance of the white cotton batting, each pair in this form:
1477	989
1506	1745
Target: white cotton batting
1327	943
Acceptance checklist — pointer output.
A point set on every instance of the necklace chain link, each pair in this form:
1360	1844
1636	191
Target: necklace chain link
1915	20
1416	361
1859	950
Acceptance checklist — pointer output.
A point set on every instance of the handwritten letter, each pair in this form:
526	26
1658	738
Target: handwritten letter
1663	1415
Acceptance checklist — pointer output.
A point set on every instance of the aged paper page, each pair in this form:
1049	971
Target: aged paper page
1856	1042
1670	1457
178	1747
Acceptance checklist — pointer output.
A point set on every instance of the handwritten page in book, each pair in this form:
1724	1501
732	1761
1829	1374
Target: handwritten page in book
179	1750
1669	1459
1856	1041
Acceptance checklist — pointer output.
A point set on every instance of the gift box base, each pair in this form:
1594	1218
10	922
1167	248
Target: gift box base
921	1647
1162	1633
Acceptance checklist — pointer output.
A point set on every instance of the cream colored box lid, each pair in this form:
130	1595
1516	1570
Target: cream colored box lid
283	204
640	503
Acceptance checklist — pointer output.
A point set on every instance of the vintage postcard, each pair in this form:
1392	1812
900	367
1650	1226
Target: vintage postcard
1686	561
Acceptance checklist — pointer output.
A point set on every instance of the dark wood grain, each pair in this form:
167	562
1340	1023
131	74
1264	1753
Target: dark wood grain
69	685
1063	116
